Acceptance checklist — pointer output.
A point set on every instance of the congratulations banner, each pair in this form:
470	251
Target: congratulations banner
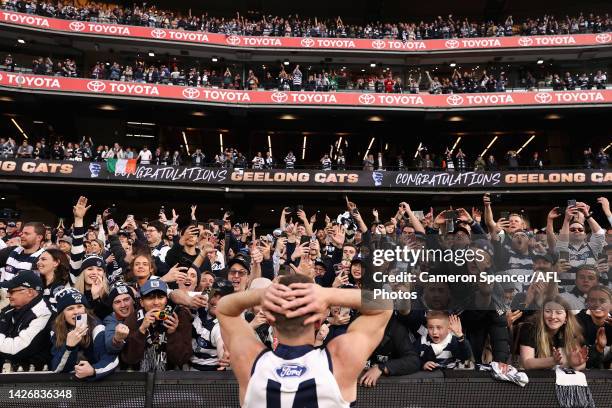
201	176
93	87
303	43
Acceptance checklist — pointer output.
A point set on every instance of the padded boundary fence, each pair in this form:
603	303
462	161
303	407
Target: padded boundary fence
220	390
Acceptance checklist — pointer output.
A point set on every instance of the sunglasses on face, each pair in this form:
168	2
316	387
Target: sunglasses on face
238	272
576	230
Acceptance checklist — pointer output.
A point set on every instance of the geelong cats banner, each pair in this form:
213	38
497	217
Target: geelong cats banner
58	171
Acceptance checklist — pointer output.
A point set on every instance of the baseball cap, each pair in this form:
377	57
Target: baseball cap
545	256
154	285
522	231
242	260
462	229
586	267
23	278
11	224
222	286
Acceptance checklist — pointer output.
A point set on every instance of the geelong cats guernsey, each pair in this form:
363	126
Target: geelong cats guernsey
293	377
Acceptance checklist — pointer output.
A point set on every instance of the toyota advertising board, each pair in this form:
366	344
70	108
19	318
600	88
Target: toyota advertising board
154	92
333	44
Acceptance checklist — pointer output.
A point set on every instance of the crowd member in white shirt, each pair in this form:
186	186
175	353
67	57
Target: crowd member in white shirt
258	161
145	156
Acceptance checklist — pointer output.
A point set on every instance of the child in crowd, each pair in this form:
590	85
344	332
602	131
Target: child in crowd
444	345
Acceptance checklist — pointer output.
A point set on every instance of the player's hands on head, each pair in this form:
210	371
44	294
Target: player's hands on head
274	300
308	299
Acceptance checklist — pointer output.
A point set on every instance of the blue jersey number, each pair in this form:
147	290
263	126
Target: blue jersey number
305	397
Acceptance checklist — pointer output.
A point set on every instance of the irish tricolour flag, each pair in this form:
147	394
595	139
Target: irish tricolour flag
121	166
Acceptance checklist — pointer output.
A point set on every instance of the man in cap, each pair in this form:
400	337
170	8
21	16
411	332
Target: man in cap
242	269
543	262
462	237
11	230
24	324
163	338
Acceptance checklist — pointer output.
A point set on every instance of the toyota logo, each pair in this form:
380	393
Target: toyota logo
525	41
307	42
76	26
603	38
280	97
379	44
158	33
191	93
452	44
96	86
543	97
233	40
367	99
455	100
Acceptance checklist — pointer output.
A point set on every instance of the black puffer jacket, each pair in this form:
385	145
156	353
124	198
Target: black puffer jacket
24	334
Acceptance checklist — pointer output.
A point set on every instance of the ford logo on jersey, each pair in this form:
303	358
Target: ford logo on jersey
291	370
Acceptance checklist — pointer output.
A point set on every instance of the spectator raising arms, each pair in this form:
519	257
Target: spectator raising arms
444	345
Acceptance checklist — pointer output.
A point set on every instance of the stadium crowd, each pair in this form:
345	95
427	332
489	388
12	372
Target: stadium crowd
96	294
114	289
425	159
258	24
300	78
